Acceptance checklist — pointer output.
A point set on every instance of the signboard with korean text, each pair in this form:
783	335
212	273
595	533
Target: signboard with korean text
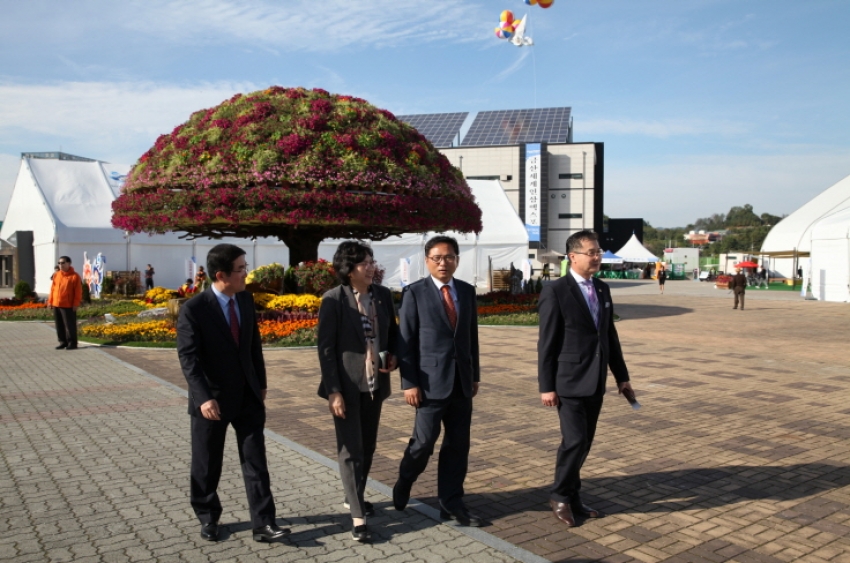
532	191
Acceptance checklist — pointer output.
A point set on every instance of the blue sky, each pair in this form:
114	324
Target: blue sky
701	104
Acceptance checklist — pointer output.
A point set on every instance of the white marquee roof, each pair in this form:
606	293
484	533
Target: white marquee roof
795	231
634	251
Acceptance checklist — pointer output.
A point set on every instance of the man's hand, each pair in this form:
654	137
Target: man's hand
621	388
336	404
549	399
75	309
392	363
413	396
475	388
210	410
263	392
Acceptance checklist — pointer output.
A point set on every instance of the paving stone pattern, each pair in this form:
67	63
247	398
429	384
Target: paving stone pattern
94	462
741	451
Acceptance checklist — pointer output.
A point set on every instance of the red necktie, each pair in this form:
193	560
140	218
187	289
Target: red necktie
234	321
449	304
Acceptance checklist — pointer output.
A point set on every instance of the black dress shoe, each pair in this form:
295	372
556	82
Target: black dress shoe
368	508
401	494
586	511
61	346
209	531
361	533
462	516
270	532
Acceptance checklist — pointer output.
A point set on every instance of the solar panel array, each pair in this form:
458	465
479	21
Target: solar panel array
439	128
516	126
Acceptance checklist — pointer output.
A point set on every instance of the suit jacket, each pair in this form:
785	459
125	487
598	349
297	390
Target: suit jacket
573	356
214	366
342	345
738	283
430	352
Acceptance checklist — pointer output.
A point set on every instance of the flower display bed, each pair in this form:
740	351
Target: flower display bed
284	320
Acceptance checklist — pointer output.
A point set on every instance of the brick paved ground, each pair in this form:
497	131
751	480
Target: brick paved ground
740	452
94	468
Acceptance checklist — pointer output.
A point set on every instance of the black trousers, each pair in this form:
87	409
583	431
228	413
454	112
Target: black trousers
578	417
455	413
208	452
739	296
66	325
356	440
148	283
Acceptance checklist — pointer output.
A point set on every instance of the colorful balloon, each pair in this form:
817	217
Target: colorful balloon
531	2
545	3
507	17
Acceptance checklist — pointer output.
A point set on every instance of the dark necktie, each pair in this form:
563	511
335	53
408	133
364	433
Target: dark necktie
449	304
234	320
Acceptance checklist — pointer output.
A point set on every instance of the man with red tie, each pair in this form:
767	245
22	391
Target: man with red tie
576	346
440	371
218	343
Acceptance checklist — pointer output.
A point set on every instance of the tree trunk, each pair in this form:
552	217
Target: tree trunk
303	245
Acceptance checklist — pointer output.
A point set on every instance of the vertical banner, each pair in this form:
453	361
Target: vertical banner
404	268
191	269
807	278
532	191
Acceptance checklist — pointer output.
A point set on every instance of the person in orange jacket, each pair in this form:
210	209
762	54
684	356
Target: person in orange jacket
66	292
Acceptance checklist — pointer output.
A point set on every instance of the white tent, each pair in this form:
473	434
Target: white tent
68	206
795	230
633	251
830	255
503	240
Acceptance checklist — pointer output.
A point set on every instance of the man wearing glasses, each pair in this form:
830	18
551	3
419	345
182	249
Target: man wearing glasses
438	358
576	346
218	343
66	292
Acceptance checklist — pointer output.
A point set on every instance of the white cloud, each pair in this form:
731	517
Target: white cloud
295	25
662	128
677	193
106	119
9	165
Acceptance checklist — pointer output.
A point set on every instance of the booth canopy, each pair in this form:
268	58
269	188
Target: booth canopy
634	251
611	258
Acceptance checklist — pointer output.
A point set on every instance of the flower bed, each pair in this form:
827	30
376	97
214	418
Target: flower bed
505	309
22	307
147	331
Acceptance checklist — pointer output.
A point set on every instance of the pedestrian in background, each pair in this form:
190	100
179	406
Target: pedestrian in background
149	277
662	277
66	292
738	285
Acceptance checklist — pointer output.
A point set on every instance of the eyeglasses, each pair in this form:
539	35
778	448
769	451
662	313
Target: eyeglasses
448	258
592	253
368	264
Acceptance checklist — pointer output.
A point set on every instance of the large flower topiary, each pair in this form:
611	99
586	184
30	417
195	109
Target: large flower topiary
301	165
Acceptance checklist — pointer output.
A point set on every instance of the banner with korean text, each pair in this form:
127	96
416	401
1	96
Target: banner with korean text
532	191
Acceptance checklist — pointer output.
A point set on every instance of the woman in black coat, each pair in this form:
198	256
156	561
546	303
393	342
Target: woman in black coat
357	346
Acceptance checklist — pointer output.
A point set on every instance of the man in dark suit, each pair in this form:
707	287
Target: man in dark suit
438	358
576	346
738	285
218	342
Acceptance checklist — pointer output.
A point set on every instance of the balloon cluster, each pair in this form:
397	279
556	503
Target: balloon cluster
541	3
507	25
